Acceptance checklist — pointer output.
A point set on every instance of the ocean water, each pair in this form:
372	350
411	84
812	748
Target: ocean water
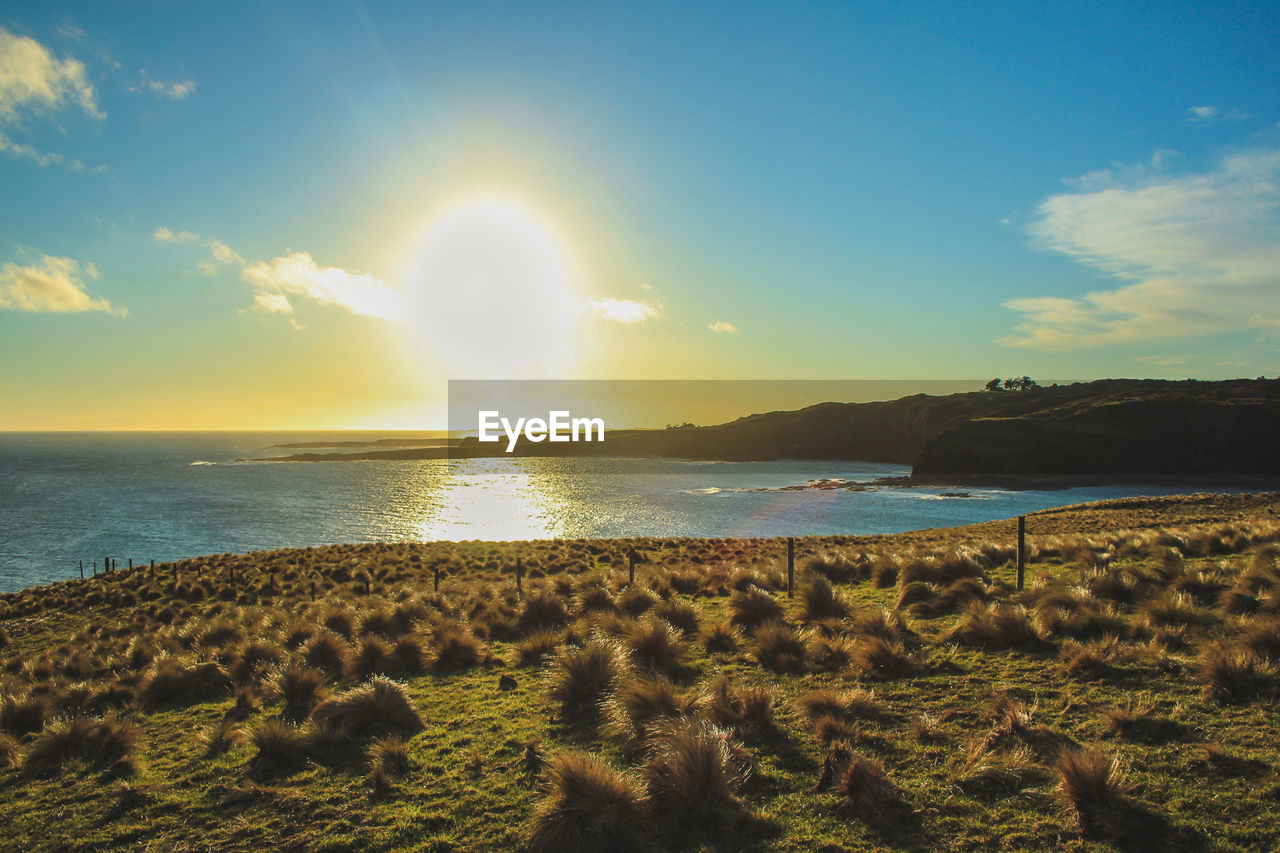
67	497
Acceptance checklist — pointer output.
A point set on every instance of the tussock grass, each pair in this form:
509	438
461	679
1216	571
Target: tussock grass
1092	783
106	744
588	806
580	676
172	681
692	768
379	707
752	608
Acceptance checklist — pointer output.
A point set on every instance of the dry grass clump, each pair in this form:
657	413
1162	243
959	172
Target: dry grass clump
253	662
638	702
746	710
542	610
581	675
280	746
720	637
221	738
994	626
842	704
1231	675
329	653
107	744
1095	657
752	607
839	568
693	767
1092	784
537	645
819	600
865	790
595	598
388	759
780	647
652	642
635	600
879	658
454	648
588	806
8	751
1007	715
1174	609
299	687
379	707
169	680
1078	615
680	615
27	714
1007	769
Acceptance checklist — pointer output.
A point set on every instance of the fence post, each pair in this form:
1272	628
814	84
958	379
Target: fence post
435	577
791	564
82	570
631	566
1022	547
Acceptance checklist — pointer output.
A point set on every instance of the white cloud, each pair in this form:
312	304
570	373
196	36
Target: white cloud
1162	360
297	274
1193	254
218	250
723	327
272	303
164	235
32	79
1210	113
626	311
54	285
176	90
224	254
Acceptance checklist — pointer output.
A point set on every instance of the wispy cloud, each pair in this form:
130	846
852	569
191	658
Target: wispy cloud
34	81
174	90
722	327
1212	113
297	274
1193	254
164	235
53	285
626	311
220	252
1162	360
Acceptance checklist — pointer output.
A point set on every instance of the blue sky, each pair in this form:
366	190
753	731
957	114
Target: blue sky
732	191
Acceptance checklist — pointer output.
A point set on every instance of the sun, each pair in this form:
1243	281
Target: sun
490	292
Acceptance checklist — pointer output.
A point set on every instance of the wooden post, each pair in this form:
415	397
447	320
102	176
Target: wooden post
435	577
106	564
153	565
631	565
366	584
1022	547
791	565
519	577
82	570
131	562
233	575
95	568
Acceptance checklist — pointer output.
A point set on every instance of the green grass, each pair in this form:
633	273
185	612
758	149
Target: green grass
1200	773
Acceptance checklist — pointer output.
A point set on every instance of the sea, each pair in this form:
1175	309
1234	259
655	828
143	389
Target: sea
71	499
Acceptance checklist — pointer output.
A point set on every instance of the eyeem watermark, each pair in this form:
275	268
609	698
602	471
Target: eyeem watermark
558	426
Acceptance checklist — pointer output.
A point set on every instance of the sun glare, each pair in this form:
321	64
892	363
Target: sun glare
490	292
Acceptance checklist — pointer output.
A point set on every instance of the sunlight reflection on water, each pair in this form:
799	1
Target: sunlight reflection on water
492	499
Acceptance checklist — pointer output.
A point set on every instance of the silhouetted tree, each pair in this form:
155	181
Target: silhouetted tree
993	385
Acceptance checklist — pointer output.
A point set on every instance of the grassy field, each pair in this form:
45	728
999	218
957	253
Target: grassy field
907	696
